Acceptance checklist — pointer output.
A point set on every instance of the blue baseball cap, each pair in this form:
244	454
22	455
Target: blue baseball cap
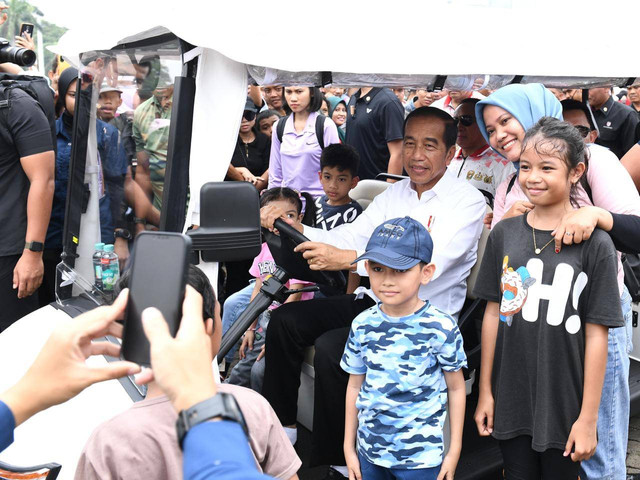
399	243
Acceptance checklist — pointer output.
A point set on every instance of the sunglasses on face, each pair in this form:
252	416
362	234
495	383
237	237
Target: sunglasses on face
584	131
248	115
466	120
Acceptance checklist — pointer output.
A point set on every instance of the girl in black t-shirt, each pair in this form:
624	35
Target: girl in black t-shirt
545	328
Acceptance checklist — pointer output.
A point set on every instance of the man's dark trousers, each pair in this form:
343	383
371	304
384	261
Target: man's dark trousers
294	326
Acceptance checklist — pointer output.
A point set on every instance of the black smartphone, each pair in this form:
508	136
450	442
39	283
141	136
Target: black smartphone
159	267
26	28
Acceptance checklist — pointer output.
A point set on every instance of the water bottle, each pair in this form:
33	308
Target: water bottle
110	269
97	266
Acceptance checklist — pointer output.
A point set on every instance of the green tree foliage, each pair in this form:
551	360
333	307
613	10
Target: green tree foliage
21	11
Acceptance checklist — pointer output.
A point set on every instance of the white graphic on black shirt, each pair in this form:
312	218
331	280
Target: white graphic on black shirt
557	295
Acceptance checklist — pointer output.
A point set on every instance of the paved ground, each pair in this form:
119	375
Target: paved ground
633	450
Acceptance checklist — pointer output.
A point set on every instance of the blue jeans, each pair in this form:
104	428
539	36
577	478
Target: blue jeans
608	463
233	307
370	471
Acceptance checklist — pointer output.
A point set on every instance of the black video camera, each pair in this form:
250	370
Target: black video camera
20	56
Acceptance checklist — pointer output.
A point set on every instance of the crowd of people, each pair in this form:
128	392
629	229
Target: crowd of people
560	174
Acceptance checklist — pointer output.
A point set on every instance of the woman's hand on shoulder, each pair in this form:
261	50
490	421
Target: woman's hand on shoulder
577	225
519	208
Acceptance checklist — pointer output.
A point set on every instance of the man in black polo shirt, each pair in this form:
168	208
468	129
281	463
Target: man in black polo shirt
27	165
375	119
616	122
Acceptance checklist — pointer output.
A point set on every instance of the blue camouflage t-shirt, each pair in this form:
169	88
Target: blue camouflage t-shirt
402	402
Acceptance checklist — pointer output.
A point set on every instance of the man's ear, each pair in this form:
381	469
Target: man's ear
427	273
450	153
208	326
320	175
593	136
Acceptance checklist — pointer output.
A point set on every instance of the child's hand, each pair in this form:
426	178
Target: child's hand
261	354
353	465
484	414
247	343
448	467
582	440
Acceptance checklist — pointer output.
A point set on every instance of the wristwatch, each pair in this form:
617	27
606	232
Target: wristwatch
122	233
222	405
34	246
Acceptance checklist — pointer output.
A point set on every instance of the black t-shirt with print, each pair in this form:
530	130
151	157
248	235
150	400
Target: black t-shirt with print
330	216
545	301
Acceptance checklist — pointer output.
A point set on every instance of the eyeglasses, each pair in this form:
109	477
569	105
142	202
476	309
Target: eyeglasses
466	120
248	115
584	131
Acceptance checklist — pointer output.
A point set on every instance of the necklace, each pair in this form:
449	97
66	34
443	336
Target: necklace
535	246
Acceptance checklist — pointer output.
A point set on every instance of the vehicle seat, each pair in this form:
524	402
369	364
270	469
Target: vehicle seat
475	306
47	471
367	190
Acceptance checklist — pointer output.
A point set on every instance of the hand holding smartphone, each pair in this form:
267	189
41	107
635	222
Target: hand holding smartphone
26	28
158	277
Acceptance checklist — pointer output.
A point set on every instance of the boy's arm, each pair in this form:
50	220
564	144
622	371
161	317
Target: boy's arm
484	410
457	396
351	425
583	437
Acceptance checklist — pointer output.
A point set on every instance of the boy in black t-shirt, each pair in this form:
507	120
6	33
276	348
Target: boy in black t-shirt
338	175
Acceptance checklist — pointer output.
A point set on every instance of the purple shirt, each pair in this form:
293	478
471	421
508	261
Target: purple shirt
296	162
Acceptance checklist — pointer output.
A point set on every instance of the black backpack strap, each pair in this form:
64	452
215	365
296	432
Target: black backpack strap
320	129
511	183
280	127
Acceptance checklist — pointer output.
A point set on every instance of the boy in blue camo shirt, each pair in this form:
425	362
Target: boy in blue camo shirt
404	357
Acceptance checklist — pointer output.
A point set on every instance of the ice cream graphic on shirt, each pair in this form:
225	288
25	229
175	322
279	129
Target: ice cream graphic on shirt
514	285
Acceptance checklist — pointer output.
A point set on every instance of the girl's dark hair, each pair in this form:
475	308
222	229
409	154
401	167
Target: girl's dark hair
562	140
285	193
314	104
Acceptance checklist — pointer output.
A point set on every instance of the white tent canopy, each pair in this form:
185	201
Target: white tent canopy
540	38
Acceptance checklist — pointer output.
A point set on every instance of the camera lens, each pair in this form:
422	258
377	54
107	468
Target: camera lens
20	56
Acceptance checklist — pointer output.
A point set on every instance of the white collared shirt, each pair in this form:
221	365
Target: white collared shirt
452	211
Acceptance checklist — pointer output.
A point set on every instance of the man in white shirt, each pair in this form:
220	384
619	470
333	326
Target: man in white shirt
452	211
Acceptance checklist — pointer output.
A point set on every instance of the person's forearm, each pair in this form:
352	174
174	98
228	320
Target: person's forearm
39	208
294	297
220	451
605	219
395	164
143	176
489	334
625	232
234	174
457	402
595	363
255	95
22	400
351	418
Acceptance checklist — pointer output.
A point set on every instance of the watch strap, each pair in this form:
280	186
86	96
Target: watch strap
34	246
222	405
